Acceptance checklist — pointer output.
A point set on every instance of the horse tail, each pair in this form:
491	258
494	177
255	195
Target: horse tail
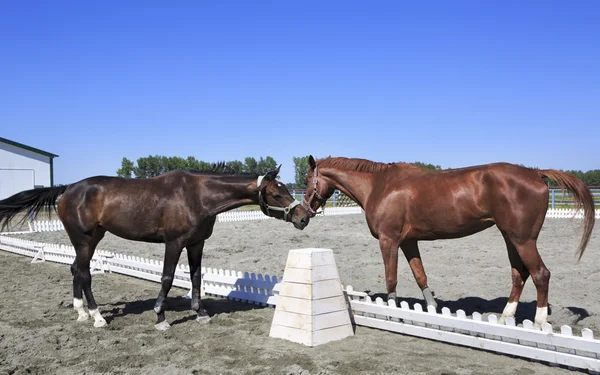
33	200
583	198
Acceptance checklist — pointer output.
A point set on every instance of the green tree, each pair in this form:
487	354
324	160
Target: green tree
126	169
592	177
149	166
236	165
428	166
154	165
265	165
174	163
192	163
300	171
250	165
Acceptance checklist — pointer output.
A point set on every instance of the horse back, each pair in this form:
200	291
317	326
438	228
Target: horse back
137	209
456	202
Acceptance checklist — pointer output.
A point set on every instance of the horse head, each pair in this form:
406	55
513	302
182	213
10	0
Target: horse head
318	189
275	200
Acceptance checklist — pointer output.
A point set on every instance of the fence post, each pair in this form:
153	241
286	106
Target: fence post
552	198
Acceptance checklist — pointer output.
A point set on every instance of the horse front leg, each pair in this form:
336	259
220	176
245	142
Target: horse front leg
172	252
195	261
389	252
413	256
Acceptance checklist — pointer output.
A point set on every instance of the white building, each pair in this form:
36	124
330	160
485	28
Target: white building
23	167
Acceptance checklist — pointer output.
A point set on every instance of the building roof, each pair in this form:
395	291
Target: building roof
29	148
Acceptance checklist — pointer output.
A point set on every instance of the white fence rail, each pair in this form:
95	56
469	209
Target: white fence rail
567	213
230	216
240	286
561	348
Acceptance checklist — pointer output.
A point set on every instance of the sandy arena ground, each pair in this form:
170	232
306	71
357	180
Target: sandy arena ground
39	333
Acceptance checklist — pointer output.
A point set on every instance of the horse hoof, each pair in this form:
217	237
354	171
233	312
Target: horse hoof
83	318
203	319
537	326
162	326
100	323
392	297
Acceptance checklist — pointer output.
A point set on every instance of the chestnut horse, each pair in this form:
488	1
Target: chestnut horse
177	208
404	204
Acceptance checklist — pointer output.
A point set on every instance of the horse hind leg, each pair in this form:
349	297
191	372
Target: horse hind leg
541	278
82	278
519	277
532	261
78	293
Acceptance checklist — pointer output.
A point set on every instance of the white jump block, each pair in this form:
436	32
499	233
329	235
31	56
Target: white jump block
40	256
311	308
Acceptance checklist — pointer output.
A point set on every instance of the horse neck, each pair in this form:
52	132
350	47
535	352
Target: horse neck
356	185
233	193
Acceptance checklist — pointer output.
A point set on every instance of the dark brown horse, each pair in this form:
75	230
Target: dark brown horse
177	208
404	204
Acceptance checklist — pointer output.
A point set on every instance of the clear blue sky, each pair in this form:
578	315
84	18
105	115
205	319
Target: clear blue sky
453	83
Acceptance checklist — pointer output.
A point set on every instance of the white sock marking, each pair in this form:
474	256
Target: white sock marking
98	319
78	306
510	310
541	316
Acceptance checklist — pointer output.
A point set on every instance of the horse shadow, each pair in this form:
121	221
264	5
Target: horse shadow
470	305
213	306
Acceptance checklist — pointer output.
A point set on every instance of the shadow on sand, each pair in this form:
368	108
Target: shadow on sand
212	305
525	310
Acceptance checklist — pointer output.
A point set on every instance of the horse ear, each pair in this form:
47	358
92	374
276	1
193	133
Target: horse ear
270	176
277	170
311	162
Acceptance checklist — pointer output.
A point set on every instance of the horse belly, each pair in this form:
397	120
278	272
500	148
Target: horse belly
461	230
447	224
154	234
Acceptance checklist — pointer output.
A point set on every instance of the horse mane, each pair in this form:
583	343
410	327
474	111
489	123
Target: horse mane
356	164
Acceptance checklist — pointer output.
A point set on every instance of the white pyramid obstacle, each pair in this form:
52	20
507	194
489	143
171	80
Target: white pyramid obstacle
311	307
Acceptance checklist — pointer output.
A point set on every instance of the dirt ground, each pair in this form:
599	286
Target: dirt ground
39	333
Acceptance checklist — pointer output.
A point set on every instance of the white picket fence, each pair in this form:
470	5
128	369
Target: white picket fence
230	216
241	286
562	348
567	213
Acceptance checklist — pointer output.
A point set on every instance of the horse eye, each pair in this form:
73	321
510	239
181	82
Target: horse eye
276	196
